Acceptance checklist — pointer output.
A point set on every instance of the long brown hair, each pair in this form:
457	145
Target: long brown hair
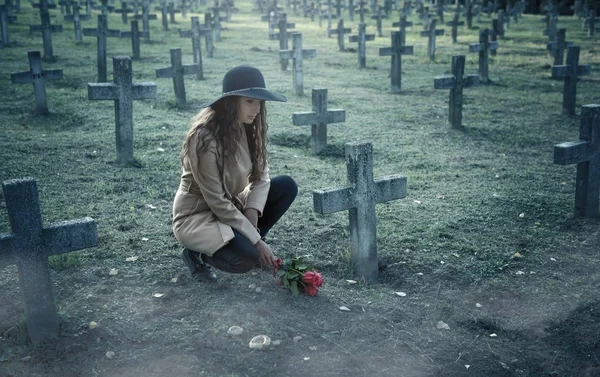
219	122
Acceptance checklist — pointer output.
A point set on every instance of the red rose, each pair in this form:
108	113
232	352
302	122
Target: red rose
277	266
311	290
318	280
309	278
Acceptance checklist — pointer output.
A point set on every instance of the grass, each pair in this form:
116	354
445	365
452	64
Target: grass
476	197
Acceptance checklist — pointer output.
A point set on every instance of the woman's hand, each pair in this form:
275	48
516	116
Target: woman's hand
265	255
252	215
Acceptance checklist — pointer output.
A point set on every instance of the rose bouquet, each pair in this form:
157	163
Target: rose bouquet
297	275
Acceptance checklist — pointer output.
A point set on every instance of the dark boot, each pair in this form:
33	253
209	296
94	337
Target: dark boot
199	270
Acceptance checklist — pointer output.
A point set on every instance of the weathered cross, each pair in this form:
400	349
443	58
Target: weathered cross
586	154
209	34
501	22
104	7
76	18
403	24
101	33
146	17
297	54
351	8
396	52
37	76
362	39
171	10
163	14
362	10
283	36
379	18
360	197
590	23
29	246
483	48
456	82
124	10
4	16
570	72
431	34
318	118
135	35
551	29
557	48
455	23
340	31
469	13
177	70
123	93
47	29
494	35
195	34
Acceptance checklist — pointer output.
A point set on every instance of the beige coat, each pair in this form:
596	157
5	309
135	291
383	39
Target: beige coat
203	217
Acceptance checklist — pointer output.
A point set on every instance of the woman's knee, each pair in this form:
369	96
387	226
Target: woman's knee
287	184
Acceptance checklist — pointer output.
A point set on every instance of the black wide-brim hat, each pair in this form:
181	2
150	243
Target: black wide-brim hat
246	81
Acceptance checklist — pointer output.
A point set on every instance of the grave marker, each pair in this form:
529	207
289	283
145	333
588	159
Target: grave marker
483	48
176	71
456	82
585	154
4	24
208	34
379	18
123	93
47	29
590	23
163	14
124	11
396	52
360	197
37	76
340	31
146	17
76	18
29	246
455	24
135	35
195	34
318	118
283	35
297	54
101	33
551	29
494	35
431	34
362	38
403	24
570	72
558	47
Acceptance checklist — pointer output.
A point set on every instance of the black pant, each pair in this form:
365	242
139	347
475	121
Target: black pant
239	255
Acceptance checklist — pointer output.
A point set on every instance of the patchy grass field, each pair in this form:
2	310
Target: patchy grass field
485	241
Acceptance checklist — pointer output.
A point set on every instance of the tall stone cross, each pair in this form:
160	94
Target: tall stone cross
196	34
76	17
557	48
362	38
318	118
104	7
124	10
362	10
209	34
590	23
360	197
483	48
469	13
455	23
284	36
456	82
47	29
123	93
146	17
379	19
551	29
586	154
340	31
570	72
101	33
216	19
4	24
396	51
403	24
164	15
297	54
171	10
176	71
37	76
431	34
500	20
135	36
494	35
351	9
29	246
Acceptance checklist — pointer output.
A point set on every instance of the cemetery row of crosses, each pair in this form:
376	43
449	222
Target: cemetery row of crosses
30	242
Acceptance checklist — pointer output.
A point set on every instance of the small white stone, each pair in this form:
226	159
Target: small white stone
312	348
258	289
235	330
260	342
478	305
297	338
252	286
110	354
344	308
493	335
276	342
401	294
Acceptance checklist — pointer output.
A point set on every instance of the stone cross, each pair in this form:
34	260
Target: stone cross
455	24
176	71
47	29
585	153
439	10
104	7
557	48
29	246
216	19
171	10
4	24
577	8
124	10
351	9
208	32
360	197
283	35
338	8
469	14
76	18
500	24
101	33
362	38
494	35
318	118
340	31
297	54
362	10
379	17
163	14
551	29
396	52
123	93
570	72
431	34
146	17
456	82
37	76
135	35
196	34
403	24
483	48
590	23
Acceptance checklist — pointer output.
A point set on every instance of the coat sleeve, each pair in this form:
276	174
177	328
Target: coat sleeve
206	175
259	190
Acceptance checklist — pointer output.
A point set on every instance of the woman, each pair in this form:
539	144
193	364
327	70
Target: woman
226	202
